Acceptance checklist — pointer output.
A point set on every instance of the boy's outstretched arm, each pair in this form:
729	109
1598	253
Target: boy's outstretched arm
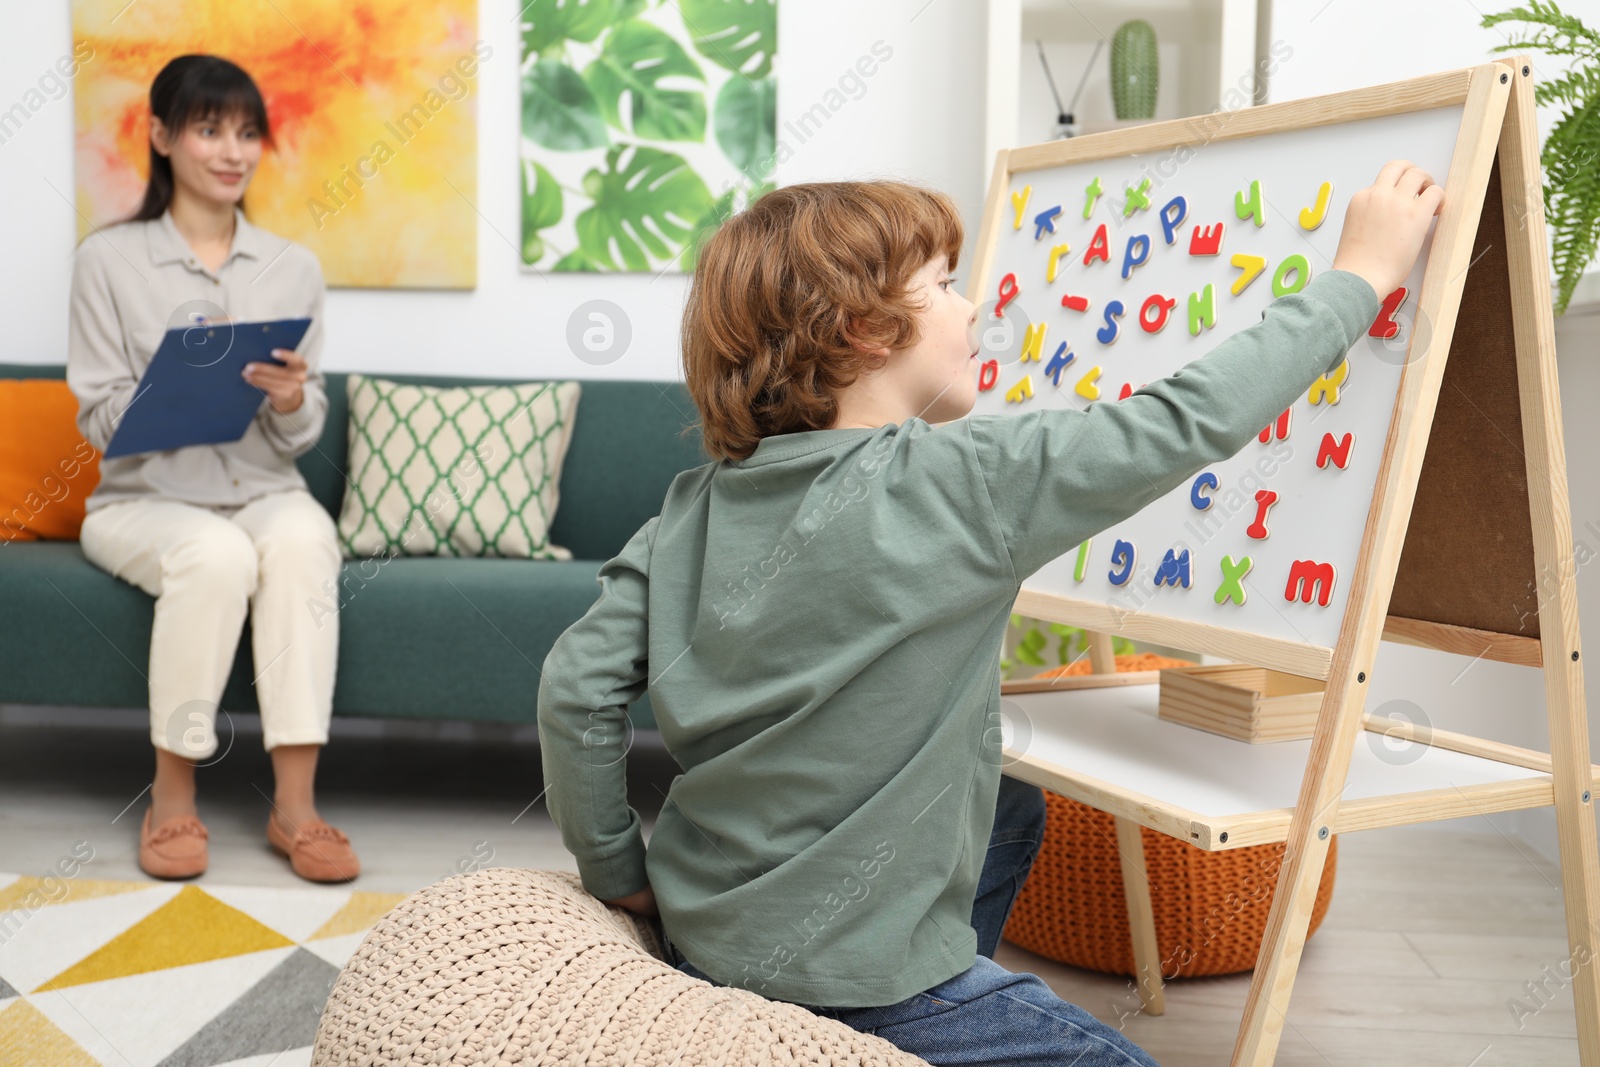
596	668
1057	476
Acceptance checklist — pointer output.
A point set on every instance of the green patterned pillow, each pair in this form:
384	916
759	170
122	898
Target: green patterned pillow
455	471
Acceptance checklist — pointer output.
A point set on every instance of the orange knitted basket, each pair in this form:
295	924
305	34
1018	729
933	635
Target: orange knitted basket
1210	907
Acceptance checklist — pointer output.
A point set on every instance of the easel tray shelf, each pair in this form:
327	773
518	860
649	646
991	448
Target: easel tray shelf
1105	745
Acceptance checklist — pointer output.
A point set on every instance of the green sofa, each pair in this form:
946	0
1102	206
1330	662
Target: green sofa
420	637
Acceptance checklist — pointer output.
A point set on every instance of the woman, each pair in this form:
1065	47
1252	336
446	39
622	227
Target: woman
213	531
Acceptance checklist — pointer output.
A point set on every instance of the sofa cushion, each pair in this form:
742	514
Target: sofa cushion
628	443
423	635
419	637
471	470
47	469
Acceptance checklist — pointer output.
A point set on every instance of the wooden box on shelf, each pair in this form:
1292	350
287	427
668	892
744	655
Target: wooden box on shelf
1236	700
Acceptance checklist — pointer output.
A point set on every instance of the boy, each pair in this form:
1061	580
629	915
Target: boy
818	613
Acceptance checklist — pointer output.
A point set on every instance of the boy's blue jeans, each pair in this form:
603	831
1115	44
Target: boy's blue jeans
987	1014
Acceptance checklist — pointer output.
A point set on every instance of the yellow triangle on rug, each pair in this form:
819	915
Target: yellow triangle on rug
192	927
28	1039
358	915
29	892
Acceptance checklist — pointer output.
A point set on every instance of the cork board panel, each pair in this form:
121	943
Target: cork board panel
1468	553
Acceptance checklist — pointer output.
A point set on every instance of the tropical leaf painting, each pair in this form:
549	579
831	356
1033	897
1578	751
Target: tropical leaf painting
645	125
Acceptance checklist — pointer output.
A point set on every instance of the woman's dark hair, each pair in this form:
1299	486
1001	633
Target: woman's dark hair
192	87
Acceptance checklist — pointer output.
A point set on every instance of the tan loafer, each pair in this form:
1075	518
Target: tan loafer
175	849
316	851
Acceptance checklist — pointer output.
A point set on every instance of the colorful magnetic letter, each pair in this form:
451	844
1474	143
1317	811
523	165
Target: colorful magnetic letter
1056	252
1328	386
1023	390
1307	576
1202	310
1099	248
1338	451
1019	203
1282	424
1058	363
1302	274
1250	266
1265	498
1075	303
1033	341
1174	569
1172	215
1138	241
1091	194
1107	334
1232	587
1008	293
1311	217
1384	325
1122	553
1045	222
1209	483
1083	560
1086	387
1138	198
1250	208
1162	306
1206	242
988	374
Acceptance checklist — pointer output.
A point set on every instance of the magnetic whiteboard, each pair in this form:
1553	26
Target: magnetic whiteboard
1319	514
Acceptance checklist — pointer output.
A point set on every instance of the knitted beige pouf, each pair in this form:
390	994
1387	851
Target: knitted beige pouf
514	966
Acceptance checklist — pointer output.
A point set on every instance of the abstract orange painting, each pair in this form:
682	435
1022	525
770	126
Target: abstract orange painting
373	107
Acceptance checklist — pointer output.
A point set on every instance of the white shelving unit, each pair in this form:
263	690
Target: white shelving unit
1207	51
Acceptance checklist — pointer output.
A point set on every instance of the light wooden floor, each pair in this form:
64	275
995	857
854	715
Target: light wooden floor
1430	934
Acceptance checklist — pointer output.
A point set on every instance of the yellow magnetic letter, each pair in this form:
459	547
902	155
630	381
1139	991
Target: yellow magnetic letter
1251	266
1055	255
1033	341
1311	217
1019	203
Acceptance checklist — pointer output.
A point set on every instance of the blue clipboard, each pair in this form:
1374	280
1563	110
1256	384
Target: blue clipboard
194	392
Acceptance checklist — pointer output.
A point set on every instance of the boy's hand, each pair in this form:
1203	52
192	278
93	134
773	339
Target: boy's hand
1385	225
641	903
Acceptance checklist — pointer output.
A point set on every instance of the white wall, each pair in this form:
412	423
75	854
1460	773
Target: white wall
1352	43
920	118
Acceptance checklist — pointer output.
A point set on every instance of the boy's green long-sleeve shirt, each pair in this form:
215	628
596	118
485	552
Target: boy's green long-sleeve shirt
819	626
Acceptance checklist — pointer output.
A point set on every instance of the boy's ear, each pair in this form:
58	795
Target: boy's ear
849	335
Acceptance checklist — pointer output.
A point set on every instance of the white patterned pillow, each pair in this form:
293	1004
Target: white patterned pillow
455	471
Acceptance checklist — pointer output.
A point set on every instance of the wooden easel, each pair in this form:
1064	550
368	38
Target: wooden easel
1519	604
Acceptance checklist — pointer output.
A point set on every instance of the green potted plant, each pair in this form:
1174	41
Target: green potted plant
1135	70
1571	154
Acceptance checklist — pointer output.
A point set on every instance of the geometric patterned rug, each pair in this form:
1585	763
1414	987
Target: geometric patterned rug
165	974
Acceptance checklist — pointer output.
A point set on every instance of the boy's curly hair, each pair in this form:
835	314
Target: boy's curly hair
765	347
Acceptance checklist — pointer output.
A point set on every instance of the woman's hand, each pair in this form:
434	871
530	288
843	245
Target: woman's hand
641	903
283	385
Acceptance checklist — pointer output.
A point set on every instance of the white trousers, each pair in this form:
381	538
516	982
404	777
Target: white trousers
207	567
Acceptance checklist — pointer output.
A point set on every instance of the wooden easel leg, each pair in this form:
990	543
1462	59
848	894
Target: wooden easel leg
1299	876
1554	567
1101	658
1141	917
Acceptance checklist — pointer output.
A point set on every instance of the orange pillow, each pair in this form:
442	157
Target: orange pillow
47	469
